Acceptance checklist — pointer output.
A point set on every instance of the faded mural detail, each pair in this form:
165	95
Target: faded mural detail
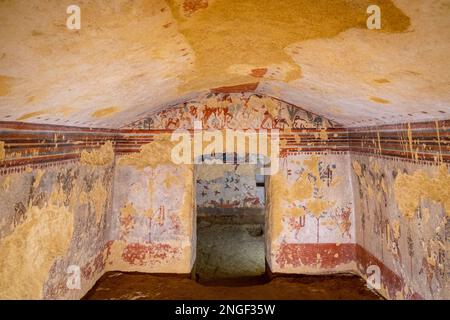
311	215
152	218
317	213
401	227
123	205
227	186
233	111
299	130
51	219
420	141
27	144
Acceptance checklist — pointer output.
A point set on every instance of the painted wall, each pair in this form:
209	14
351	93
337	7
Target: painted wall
228	186
420	141
153	213
311	215
71	201
53	217
403	222
401	187
233	111
150	225
56	188
28	144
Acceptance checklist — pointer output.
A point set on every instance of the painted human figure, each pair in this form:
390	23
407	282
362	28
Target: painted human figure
267	122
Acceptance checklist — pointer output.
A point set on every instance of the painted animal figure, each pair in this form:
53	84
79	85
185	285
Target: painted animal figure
173	123
280	123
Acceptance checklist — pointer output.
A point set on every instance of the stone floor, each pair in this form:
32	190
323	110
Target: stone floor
138	286
230	266
227	251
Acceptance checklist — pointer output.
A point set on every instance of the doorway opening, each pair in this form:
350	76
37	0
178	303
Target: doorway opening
230	204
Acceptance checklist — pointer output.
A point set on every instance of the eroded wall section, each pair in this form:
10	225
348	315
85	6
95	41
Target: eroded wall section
311	215
53	223
153	212
402	189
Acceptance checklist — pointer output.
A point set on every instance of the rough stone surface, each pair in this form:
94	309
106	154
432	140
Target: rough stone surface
125	286
229	251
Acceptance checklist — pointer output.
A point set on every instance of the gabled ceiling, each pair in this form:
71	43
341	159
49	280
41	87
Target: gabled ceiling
135	57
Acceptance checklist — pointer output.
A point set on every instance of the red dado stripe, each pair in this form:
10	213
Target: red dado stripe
328	256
